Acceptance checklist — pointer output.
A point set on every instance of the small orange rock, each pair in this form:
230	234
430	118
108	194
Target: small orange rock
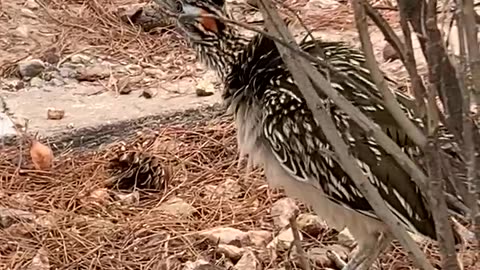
42	155
55	114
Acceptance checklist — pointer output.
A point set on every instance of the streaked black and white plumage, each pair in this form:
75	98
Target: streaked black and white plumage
276	129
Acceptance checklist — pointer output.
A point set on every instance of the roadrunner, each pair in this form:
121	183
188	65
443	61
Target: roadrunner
276	129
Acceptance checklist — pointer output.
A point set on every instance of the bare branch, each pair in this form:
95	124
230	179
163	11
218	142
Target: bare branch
439	208
465	7
301	71
443	74
390	102
472	187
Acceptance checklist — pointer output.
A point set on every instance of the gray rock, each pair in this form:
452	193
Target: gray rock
57	82
37	82
31	68
67	72
282	211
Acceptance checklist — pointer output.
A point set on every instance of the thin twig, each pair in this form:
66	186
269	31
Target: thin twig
298	243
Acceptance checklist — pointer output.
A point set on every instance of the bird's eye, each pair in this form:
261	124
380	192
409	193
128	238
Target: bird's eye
178	6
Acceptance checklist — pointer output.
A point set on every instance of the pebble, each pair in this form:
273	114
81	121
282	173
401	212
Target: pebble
31	68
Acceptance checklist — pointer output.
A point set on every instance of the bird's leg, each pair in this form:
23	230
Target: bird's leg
368	253
383	242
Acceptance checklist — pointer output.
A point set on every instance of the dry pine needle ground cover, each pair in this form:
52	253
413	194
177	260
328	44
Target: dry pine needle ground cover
71	220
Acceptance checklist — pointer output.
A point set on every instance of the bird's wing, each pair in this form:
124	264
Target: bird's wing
299	145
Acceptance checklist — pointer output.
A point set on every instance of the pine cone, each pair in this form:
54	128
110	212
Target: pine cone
133	168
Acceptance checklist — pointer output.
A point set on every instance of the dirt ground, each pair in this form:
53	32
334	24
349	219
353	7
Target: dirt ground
208	212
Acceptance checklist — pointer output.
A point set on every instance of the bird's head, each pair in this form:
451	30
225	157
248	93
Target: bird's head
216	43
196	18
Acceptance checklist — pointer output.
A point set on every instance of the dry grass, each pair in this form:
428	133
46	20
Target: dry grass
88	234
95	27
80	231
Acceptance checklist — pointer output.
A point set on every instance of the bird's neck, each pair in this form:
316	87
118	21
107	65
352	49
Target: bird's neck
221	54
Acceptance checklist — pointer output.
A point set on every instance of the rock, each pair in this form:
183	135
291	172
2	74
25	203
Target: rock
31	4
40	261
205	88
28	13
168	264
248	262
80	59
94	73
310	224
252	3
31	68
340	250
226	235
19	85
100	195
200	265
41	155
57	82
177	207
154	72
209	267
344	238
232	252
147	16
229	189
148	93
130	13
319	257
259	238
389	53
23	31
55	114
67	72
23	199
51	56
128	199
134	70
282	211
283	241
123	86
7	127
321	4
10	216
